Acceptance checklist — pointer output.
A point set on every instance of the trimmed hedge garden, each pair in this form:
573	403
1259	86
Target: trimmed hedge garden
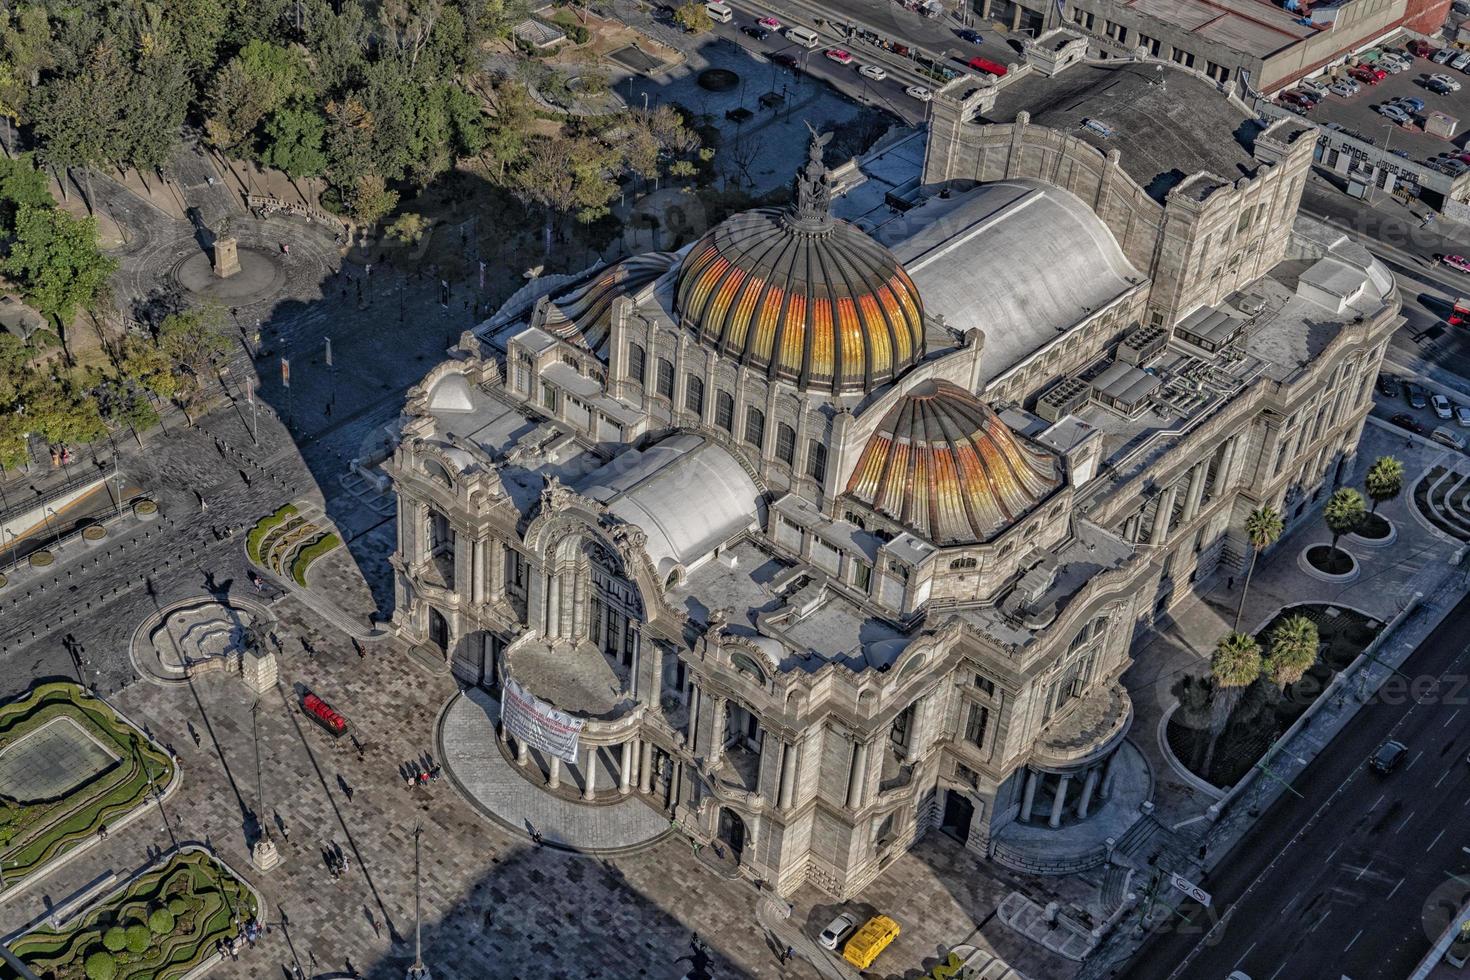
32	832
264	527
159	926
311	553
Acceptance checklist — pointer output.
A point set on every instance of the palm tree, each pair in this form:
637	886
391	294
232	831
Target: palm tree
1235	666
1385	480
1344	513
1262	527
1291	651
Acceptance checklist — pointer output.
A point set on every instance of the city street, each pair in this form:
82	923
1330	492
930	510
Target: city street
1356	875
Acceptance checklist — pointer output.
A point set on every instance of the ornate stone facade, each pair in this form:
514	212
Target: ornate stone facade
814	621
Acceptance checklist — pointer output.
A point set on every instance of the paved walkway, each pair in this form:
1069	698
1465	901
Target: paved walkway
467	744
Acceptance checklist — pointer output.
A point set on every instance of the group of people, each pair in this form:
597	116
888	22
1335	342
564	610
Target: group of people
421	773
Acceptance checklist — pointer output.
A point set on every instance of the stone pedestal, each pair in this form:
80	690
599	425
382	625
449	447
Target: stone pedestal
258	668
264	854
418	972
226	257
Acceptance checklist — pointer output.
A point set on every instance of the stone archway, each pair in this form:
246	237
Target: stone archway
439	630
733	832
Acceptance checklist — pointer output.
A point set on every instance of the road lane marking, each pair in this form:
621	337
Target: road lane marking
1406	820
1396	887
1376	802
1443	776
1414	760
1352	940
1364	870
1291	903
1450	719
1278	972
1244	955
1319	921
1433	842
1334	852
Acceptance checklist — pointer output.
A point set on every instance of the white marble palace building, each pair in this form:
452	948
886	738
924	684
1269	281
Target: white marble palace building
833	536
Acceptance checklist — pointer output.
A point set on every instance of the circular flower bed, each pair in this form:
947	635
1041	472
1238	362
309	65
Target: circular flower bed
1374	528
1331	561
145	510
40	559
93	534
4	581
718	80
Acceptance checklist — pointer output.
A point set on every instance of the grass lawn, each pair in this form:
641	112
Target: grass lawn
311	553
264	527
1263	712
33	831
157	927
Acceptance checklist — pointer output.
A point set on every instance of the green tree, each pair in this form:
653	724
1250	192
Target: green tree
100	965
409	228
115	939
371	199
80	119
55	259
508	129
160	922
568	175
191	341
1291	650
340	43
138	937
693	18
1344	513
60	413
294	138
1263	526
21	184
1385	480
1235	665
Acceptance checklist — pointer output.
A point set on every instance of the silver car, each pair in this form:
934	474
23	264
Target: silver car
1461	60
838	930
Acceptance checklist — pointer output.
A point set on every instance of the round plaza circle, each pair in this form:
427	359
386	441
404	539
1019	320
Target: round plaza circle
718	80
260	277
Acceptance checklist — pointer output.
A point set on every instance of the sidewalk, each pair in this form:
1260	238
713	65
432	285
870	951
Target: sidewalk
1418	562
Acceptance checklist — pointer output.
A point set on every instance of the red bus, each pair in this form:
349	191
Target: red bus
1460	315
989	67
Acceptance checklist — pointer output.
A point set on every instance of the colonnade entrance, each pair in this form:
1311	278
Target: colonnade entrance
1055	798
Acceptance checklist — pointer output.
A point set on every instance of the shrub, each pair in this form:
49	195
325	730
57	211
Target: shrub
101	965
161	922
177	906
115	939
264	527
311	553
138	937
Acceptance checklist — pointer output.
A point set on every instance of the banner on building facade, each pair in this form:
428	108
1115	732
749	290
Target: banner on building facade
538	724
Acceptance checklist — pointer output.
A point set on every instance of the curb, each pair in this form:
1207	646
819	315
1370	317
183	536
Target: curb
1180	770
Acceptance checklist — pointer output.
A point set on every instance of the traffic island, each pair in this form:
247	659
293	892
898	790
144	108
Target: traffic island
70	767
161	925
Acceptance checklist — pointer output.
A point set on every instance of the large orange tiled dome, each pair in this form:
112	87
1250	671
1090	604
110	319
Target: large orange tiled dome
942	463
802	296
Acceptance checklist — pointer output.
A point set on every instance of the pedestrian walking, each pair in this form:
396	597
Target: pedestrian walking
487	920
246	477
102	832
202	505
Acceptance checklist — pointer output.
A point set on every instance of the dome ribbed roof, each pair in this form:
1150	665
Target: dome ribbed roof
942	463
801	295
582	315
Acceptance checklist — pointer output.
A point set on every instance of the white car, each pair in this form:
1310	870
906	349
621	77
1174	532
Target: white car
1393	113
1443	56
1346	91
875	72
1442	407
918	92
1461	60
1453	84
1462	416
837	930
1446	436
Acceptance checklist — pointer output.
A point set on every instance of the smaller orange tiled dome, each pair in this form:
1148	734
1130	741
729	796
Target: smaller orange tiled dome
943	464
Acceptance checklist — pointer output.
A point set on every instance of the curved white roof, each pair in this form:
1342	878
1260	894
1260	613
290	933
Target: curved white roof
688	494
1020	259
451	393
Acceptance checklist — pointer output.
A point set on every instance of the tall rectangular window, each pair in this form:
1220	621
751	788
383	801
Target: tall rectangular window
785	443
862	576
976	724
637	363
755	427
816	461
665	377
725	411
694	394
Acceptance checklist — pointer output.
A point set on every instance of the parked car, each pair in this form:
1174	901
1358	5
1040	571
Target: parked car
759	33
1293	99
1457	262
1406	421
1388	757
1438	87
840	56
1446	436
974	37
1415	395
876	72
1443	56
1311	95
1461	60
1442	407
1365	75
1462	416
1388	385
918	92
785	60
1410	104
1343	89
1393	114
1420	48
1452	83
769	23
837	930
1454	168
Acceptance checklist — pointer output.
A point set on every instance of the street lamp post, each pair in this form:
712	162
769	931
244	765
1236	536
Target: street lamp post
418	971
14	548
55	529
263	854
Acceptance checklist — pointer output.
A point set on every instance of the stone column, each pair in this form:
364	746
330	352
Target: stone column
1110	770
625	768
717	730
495	560
1059	803
1159	532
857	775
579	607
523	752
589	788
1028	795
916	731
788	775
645	768
694	719
553	775
1195	492
1222	472
1089	786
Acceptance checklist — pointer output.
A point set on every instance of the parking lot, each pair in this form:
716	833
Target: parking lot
1413	405
1356	115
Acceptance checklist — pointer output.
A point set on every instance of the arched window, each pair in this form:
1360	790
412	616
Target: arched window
725	411
816	461
666	377
637	363
755	427
746	665
694	394
438	473
959	564
785	443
